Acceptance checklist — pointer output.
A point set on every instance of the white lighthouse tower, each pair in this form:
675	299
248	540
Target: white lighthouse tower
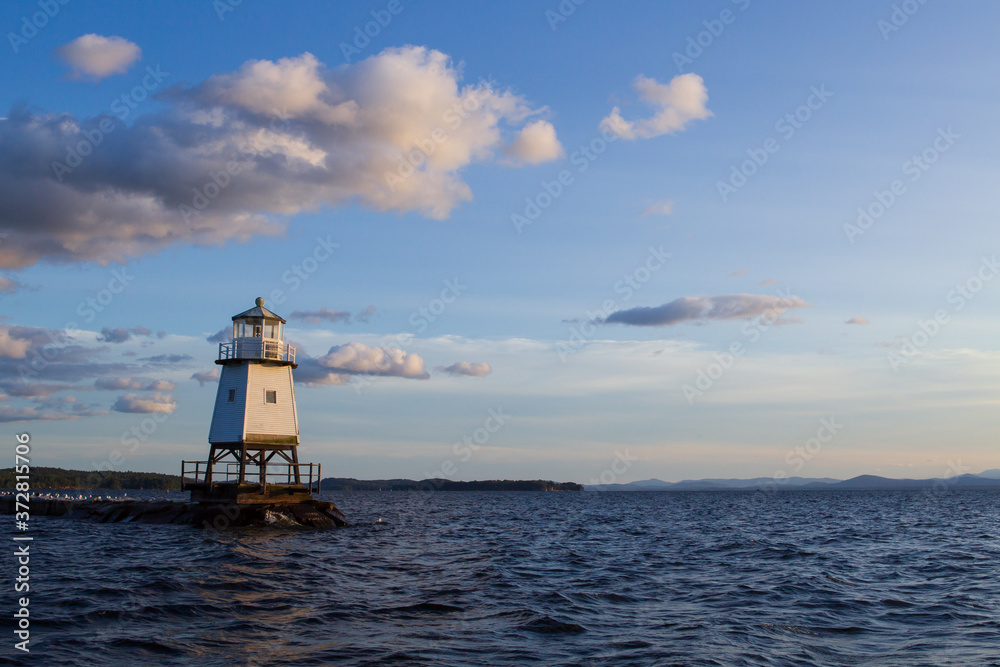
254	435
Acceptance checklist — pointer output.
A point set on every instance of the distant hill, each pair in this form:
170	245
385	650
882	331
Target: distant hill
987	479
349	484
710	484
57	478
874	482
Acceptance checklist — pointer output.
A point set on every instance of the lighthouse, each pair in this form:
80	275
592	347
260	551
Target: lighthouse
254	435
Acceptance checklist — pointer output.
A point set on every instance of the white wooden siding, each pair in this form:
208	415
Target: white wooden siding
271	418
228	418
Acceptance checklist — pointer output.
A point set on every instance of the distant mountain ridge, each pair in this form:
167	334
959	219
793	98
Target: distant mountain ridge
438	484
985	479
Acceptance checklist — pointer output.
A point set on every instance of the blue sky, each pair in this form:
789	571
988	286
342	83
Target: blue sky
772	265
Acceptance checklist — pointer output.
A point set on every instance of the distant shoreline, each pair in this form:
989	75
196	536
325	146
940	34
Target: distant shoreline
84	480
95	480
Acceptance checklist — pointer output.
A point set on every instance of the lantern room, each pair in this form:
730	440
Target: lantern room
257	334
258	322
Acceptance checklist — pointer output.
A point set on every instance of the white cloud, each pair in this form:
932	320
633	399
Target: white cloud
694	308
471	369
95	56
320	315
145	403
134	384
206	377
298	135
665	207
223	335
12	346
354	358
293	85
160	385
121	334
857	320
12	414
535	144
312	374
9	285
678	103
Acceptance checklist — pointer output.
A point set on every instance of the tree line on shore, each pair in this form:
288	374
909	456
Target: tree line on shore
58	478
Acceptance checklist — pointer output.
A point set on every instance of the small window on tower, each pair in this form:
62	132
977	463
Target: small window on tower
232	395
270	396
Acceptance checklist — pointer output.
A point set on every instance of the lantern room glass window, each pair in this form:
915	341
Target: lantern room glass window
258	329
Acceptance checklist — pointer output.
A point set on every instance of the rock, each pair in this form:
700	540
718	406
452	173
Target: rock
310	513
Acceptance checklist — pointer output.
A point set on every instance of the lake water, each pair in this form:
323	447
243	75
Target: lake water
456	578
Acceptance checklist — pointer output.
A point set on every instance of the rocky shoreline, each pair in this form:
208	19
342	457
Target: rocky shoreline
309	514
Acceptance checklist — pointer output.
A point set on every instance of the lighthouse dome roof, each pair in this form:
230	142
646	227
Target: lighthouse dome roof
259	311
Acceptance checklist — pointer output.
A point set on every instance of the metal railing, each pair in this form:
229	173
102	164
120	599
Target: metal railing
270	349
228	472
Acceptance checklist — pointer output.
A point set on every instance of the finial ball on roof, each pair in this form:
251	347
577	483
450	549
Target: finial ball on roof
260	301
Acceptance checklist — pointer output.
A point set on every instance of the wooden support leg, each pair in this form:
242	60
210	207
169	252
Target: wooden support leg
208	468
243	463
295	462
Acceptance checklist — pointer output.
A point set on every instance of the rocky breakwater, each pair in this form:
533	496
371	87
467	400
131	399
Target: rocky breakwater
309	513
